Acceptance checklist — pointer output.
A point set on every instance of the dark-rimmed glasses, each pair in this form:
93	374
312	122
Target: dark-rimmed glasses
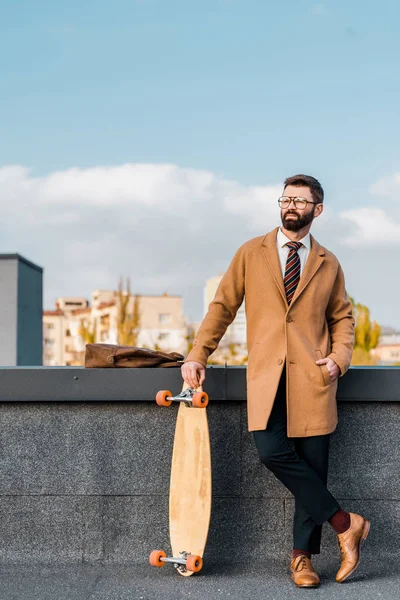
299	203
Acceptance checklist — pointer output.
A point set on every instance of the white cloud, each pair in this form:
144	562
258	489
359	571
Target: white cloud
372	227
165	187
166	227
387	186
257	204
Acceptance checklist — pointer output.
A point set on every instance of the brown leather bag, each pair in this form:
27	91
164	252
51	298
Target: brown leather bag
110	356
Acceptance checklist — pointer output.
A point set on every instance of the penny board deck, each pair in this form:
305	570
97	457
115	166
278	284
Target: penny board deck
190	483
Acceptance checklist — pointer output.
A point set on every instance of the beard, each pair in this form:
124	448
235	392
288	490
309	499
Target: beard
301	221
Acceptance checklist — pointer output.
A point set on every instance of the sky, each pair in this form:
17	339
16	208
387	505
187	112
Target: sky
149	139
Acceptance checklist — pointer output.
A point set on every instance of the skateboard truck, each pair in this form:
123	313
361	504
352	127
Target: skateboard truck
184	562
190	397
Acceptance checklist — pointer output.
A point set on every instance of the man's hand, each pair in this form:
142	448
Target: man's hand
193	373
332	367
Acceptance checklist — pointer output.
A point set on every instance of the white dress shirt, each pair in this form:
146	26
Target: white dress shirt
283	250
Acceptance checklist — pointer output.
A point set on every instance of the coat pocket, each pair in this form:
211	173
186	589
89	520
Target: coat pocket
326	378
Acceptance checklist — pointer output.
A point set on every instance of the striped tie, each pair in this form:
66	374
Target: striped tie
292	273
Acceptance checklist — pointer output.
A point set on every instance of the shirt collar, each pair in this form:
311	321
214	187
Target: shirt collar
282	239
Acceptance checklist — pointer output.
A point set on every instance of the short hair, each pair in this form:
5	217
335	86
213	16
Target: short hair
307	181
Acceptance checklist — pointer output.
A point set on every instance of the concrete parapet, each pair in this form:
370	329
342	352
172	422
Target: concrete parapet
84	476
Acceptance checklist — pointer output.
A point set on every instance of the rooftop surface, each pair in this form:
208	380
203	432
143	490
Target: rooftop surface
377	577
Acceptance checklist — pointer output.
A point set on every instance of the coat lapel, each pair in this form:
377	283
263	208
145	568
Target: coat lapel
314	261
270	252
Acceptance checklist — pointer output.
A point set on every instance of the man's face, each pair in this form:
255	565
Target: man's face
294	219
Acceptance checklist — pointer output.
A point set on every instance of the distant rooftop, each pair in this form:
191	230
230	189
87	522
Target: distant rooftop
390	340
16	256
388	330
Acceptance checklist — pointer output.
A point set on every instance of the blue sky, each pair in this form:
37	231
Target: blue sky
250	91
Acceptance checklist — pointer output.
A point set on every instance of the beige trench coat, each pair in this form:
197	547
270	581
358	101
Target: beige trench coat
318	324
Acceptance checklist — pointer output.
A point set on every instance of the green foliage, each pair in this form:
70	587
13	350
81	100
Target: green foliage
363	358
87	331
367	334
128	323
232	350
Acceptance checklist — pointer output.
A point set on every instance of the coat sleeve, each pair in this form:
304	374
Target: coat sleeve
221	311
341	323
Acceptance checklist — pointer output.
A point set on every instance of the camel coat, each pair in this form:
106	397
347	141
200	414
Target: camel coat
318	324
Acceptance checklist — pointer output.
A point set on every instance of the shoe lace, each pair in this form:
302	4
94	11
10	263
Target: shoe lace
341	546
301	563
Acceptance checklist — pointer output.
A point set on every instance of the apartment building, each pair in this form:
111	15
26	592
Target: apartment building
236	332
161	325
232	348
60	330
388	350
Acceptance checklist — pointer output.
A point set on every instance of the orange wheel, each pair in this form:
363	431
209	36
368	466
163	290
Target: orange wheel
162	396
200	399
194	563
155	556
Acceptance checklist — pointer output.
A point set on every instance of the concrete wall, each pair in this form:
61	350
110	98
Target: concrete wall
89	481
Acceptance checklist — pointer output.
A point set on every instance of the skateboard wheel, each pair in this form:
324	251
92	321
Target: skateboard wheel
155	556
194	563
200	399
162	396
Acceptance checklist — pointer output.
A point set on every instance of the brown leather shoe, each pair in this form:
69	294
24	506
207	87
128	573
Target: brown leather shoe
349	544
303	573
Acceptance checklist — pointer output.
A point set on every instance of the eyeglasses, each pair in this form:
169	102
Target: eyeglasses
300	203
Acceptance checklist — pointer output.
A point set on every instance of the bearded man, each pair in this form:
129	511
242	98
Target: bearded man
300	336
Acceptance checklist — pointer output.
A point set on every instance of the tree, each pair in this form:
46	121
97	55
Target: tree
128	323
189	338
88	334
87	331
366	333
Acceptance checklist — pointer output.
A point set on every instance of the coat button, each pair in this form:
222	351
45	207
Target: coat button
280	361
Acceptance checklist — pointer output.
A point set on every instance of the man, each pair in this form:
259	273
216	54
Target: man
300	335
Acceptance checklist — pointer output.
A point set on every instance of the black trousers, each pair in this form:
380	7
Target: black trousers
301	464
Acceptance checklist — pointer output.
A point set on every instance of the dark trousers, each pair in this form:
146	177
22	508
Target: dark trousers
301	464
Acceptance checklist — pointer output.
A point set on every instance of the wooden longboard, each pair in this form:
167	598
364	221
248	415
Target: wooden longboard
190	483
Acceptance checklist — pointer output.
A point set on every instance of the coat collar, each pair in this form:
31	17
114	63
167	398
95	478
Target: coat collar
314	261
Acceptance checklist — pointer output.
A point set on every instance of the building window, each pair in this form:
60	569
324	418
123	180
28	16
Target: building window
163	337
50	325
68	333
164	318
73	303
